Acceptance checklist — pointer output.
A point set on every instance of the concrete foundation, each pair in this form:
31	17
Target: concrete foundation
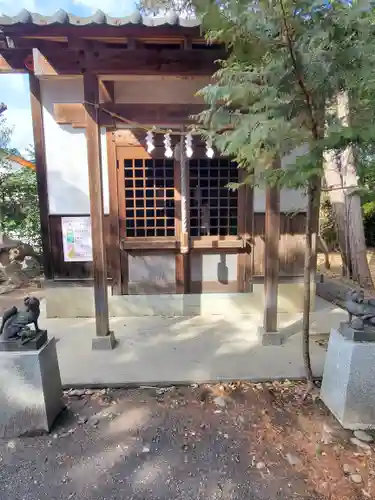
348	387
31	392
72	301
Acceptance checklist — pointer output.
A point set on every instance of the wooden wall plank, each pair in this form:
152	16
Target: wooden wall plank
41	172
91	94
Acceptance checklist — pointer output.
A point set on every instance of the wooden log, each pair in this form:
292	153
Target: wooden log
91	94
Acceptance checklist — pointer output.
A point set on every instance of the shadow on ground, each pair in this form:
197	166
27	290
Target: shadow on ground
256	442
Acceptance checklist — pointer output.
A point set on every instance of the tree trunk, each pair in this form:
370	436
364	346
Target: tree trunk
334	183
355	230
341	180
311	233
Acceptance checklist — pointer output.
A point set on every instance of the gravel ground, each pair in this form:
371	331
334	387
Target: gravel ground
237	442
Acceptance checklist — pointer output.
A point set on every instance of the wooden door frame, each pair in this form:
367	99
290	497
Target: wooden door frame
119	255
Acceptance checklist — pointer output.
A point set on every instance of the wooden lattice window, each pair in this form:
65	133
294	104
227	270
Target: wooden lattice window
149	198
213	207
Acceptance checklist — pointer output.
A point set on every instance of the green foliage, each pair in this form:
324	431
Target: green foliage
288	59
19	208
19	205
327	227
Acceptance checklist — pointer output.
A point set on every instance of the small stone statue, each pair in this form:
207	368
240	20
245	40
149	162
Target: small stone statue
15	323
363	310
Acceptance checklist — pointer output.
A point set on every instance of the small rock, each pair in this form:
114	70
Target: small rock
82	420
360	444
220	401
293	459
78	393
356	478
348	469
260	465
102	392
146	449
363	436
216	412
65	434
11	445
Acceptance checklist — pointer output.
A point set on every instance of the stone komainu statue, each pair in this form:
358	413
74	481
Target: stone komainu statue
362	309
15	323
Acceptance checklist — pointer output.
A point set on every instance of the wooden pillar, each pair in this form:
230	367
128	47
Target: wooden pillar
182	219
41	172
245	231
114	229
271	251
105	338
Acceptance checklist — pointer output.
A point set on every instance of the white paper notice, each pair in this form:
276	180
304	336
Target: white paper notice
77	242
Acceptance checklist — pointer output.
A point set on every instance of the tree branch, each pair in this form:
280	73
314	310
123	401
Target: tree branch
299	76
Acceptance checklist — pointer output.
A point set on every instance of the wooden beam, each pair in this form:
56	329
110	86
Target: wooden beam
107	91
91	94
271	254
50	63
173	114
114	229
41	173
15	60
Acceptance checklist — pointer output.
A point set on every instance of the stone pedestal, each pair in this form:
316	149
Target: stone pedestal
348	387
270	338
30	391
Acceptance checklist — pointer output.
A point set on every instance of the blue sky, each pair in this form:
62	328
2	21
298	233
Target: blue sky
14	89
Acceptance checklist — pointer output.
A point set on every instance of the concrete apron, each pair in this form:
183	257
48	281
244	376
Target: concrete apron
179	349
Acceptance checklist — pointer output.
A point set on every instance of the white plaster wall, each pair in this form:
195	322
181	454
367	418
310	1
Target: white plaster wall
66	153
291	200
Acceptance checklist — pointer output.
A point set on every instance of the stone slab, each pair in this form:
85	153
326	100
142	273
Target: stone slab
31	391
348	386
32	345
365	335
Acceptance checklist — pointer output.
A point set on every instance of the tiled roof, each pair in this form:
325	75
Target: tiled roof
99	18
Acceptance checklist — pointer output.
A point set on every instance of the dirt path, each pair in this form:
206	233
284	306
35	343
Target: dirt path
243	442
